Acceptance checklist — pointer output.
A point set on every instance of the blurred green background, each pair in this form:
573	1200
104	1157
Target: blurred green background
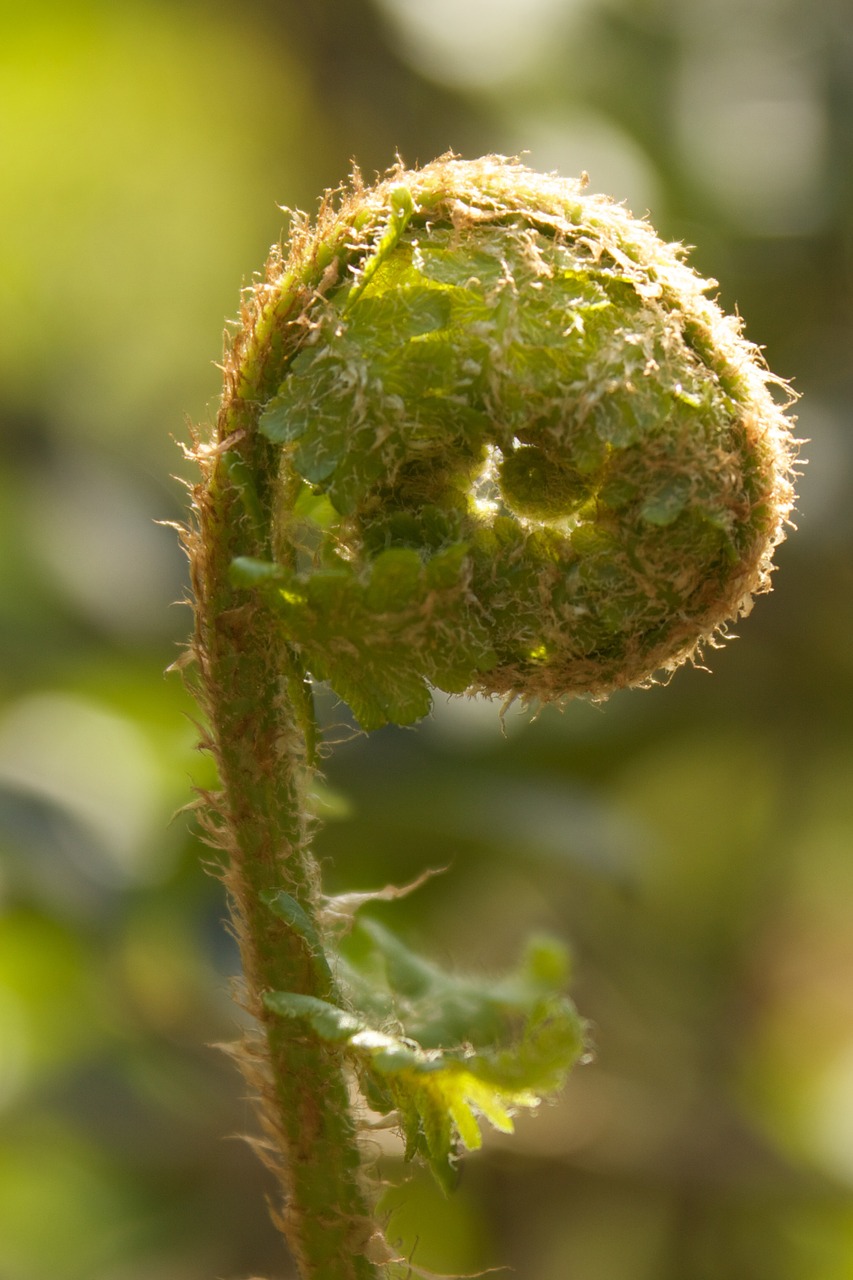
692	843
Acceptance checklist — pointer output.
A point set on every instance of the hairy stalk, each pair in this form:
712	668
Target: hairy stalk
479	432
259	732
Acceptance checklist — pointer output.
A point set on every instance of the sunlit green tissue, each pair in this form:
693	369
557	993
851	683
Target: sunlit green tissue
513	1039
529	456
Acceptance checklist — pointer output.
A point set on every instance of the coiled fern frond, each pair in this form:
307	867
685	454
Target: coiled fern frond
525	453
480	432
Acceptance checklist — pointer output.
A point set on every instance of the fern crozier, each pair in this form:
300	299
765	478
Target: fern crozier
524	453
480	432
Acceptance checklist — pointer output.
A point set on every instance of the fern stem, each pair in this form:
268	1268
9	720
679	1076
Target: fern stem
261	738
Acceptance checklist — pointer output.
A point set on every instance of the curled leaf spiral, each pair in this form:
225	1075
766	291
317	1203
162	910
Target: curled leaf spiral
524	454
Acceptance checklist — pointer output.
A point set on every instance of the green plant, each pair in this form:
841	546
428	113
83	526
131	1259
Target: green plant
481	432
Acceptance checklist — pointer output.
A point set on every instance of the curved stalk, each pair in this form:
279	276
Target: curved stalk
261	735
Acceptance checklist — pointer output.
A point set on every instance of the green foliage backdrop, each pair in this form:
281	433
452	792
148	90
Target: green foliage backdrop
692	844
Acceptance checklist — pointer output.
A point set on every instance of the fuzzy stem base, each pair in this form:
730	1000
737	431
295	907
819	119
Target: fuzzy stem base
258	736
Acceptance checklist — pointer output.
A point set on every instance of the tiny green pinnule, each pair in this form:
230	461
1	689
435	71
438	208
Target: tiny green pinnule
480	432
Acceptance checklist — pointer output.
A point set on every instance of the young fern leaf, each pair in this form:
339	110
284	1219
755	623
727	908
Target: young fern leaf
480	432
521	1036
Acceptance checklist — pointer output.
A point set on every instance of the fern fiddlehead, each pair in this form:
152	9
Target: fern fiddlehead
480	432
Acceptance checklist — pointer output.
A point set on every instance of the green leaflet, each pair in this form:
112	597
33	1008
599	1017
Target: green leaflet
247	571
358	630
408	312
402	208
442	1050
293	914
666	503
329	1022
